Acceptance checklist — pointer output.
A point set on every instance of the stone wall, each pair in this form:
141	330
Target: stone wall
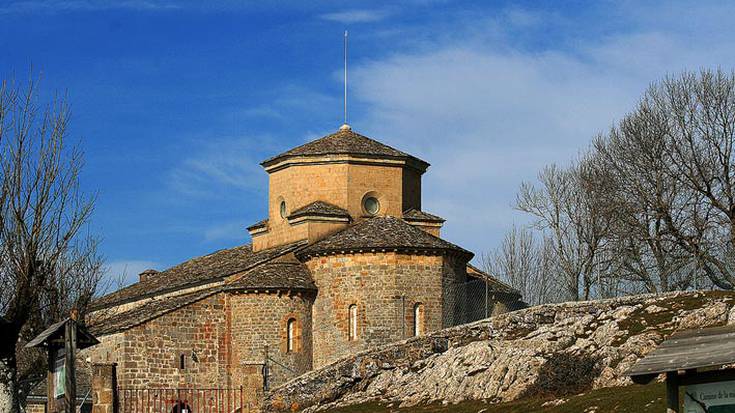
259	320
385	287
339	183
548	350
222	339
150	355
104	388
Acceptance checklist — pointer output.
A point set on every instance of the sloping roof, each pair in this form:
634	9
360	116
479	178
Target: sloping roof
276	274
319	208
344	141
707	347
494	283
196	271
259	224
416	215
381	233
57	331
148	311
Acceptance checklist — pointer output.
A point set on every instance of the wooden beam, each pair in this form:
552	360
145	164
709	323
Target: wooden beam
710	376
70	396
672	392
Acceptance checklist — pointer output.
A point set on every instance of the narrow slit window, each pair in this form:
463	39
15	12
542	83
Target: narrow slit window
181	361
290	330
418	319
353	322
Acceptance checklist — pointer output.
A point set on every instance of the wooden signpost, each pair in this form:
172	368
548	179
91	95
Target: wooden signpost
697	361
62	340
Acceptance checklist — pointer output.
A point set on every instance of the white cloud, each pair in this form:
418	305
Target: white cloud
488	114
214	168
356	16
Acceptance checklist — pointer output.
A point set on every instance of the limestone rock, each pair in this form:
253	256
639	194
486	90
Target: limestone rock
555	350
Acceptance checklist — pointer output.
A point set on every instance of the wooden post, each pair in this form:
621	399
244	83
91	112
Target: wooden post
672	392
70	344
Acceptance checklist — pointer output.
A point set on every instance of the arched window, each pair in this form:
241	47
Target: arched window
352	328
290	334
282	209
418	319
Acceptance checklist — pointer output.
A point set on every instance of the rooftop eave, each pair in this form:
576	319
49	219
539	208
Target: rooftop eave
336	219
253	231
278	163
407	250
425	222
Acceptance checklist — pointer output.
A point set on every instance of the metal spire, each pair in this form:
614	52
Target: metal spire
345	126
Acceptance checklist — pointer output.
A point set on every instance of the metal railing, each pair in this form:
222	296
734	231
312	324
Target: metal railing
185	400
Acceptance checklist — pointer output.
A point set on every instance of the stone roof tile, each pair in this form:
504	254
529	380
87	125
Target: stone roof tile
197	271
259	224
319	208
494	283
344	141
381	233
292	275
148	311
416	215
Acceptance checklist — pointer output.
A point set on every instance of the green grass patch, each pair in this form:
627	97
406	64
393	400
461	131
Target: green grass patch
633	399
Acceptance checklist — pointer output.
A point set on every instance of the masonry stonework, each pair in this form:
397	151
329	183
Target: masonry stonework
259	320
385	287
262	314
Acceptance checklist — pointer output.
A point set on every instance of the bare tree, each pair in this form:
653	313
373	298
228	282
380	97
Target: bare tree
699	115
634	158
47	265
526	264
575	218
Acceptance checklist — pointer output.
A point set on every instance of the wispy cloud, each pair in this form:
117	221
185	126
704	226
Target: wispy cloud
220	166
357	16
488	113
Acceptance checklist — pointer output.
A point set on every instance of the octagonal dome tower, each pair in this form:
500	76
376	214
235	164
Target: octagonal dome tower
322	186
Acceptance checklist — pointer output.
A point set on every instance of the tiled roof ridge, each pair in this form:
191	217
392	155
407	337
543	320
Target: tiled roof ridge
401	236
265	255
290	275
413	214
343	142
319	208
493	279
259	224
106	326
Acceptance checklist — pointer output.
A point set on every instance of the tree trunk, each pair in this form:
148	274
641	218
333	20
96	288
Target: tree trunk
8	384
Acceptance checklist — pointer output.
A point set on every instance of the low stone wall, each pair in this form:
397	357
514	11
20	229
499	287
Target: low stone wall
551	349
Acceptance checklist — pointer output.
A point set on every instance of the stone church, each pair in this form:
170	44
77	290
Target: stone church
346	260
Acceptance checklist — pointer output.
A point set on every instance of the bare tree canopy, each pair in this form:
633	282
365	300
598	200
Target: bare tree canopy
47	263
527	265
651	206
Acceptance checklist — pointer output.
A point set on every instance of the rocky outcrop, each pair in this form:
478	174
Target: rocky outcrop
550	350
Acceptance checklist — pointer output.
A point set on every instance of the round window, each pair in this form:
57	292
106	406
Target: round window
371	205
283	209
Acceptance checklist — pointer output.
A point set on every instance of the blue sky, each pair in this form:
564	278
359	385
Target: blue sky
176	102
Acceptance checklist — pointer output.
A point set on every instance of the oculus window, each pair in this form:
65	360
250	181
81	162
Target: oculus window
371	205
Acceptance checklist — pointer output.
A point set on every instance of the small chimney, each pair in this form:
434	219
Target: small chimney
146	274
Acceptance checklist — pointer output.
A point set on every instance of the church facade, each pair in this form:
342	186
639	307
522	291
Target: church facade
347	260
